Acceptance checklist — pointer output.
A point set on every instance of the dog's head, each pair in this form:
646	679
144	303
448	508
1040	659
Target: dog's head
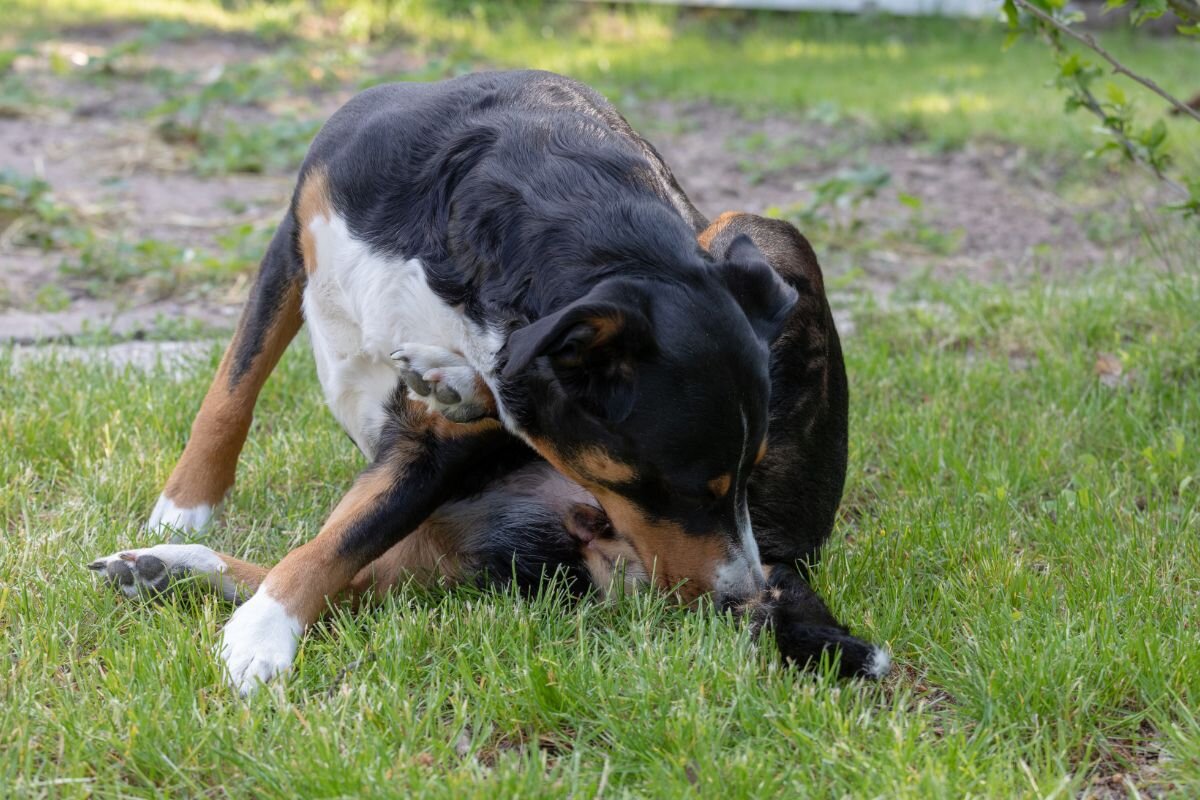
653	395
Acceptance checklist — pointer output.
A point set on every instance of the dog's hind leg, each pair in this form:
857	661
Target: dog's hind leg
271	318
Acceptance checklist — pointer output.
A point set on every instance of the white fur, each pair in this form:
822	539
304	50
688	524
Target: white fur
742	574
170	518
189	559
440	367
359	307
259	642
880	663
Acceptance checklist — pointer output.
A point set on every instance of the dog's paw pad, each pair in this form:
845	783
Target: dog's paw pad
150	570
133	573
443	381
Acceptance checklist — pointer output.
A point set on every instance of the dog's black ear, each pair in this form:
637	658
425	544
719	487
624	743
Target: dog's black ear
591	346
757	287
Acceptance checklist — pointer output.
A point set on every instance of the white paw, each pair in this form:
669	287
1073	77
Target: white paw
168	518
259	642
442	380
150	570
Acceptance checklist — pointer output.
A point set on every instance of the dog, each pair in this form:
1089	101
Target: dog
514	308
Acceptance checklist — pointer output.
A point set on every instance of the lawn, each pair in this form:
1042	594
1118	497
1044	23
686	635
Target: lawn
1021	533
1020	523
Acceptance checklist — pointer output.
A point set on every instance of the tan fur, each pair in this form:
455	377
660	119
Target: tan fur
597	464
208	466
313	201
706	236
606	327
427	555
672	554
248	576
316	571
484	394
720	485
762	453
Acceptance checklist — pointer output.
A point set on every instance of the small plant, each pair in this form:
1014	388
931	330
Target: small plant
835	202
30	215
51	297
105	265
920	231
277	146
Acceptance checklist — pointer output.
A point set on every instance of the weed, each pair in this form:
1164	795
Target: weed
276	146
833	203
30	215
51	297
919	230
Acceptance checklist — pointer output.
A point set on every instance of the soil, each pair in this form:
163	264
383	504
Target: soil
993	212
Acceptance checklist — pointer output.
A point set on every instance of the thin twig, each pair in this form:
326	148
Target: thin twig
1093	105
1088	40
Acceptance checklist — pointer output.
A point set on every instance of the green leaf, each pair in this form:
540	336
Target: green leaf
1010	14
1155	135
1148	9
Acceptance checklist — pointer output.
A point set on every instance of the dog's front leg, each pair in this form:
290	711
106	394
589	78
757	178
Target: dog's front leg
421	459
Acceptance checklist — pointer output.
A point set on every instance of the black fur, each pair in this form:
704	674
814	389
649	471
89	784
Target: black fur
535	207
279	274
523	195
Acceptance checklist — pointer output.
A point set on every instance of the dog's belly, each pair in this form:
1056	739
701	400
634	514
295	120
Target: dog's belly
359	307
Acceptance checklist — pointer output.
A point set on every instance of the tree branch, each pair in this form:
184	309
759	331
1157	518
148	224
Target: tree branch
1089	41
1093	105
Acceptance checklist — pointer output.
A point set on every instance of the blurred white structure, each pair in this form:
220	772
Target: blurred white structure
909	8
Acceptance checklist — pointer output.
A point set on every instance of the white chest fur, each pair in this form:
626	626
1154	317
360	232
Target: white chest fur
359	307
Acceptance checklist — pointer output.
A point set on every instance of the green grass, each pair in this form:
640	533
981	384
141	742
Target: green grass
1021	535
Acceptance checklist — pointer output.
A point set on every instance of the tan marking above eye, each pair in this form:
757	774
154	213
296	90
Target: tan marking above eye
597	464
762	452
719	486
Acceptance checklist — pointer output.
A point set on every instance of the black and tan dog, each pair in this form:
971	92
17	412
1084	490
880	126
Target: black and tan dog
550	358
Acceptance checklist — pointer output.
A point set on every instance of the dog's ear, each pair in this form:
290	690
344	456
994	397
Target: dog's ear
764	297
591	346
